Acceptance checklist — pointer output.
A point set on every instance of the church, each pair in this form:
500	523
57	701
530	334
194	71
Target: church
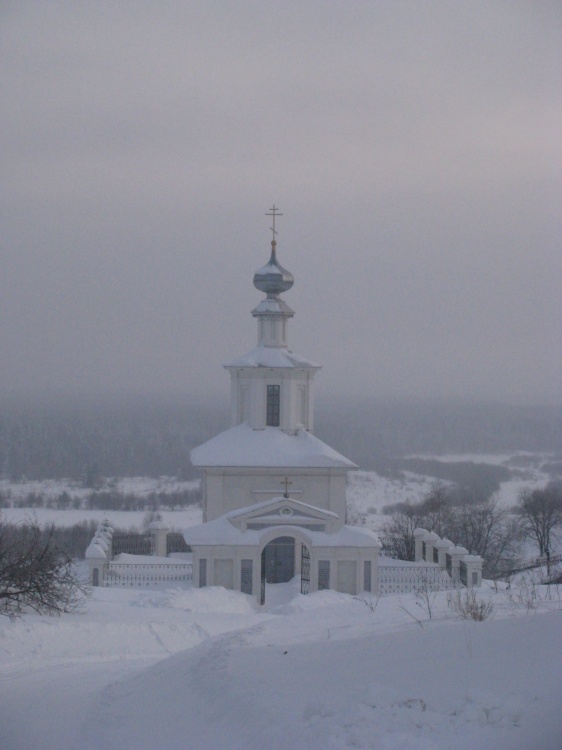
274	495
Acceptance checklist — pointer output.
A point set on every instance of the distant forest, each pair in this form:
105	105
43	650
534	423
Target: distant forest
87	439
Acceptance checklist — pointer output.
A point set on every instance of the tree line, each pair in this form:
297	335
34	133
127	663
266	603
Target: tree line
106	500
90	440
87	439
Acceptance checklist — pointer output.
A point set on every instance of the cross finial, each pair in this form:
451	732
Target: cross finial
286	482
274	212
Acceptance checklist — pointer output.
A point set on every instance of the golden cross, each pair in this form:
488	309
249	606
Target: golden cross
274	213
286	482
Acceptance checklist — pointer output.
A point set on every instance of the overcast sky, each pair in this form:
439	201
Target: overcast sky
413	148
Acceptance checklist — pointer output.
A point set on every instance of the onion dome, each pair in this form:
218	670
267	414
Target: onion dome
272	278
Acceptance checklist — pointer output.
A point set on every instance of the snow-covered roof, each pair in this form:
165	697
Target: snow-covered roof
270	447
222	531
271	356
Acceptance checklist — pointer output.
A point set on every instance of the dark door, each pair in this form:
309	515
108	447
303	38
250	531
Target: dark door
279	559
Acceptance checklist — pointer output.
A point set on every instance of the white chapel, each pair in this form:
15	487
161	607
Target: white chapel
273	493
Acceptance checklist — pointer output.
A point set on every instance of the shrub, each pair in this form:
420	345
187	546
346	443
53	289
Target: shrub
468	605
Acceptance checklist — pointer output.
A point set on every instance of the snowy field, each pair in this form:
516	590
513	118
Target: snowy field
52	488
207	669
370	493
119	519
142	487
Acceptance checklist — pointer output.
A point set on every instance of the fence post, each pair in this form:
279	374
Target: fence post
442	547
159	531
430	540
456	554
418	537
473	570
99	553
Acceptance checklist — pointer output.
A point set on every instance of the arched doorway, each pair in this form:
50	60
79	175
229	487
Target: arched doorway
278	560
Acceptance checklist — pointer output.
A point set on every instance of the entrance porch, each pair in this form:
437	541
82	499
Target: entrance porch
274	541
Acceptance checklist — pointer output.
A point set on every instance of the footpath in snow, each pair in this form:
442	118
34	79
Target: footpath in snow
209	670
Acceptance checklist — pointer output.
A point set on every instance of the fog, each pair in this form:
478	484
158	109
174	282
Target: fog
87	439
413	149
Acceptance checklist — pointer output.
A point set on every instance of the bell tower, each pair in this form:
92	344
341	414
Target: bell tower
271	386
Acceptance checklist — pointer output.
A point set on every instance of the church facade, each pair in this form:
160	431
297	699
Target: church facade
273	493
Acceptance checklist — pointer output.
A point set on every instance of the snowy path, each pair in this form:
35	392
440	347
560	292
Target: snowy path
44	709
207	670
441	687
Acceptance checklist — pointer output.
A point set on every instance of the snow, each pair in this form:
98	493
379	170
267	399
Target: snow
222	531
495	459
509	492
370	493
526	468
210	670
126	557
271	447
270	356
119	519
139	486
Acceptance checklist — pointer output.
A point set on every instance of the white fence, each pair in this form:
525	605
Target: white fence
405	579
145	574
105	571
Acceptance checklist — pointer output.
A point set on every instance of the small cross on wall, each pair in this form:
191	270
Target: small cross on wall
286	482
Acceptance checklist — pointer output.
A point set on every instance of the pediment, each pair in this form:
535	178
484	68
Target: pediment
283	511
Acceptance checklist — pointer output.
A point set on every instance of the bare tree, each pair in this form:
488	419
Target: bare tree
353	516
434	513
541	511
398	535
484	528
489	530
35	573
436	508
